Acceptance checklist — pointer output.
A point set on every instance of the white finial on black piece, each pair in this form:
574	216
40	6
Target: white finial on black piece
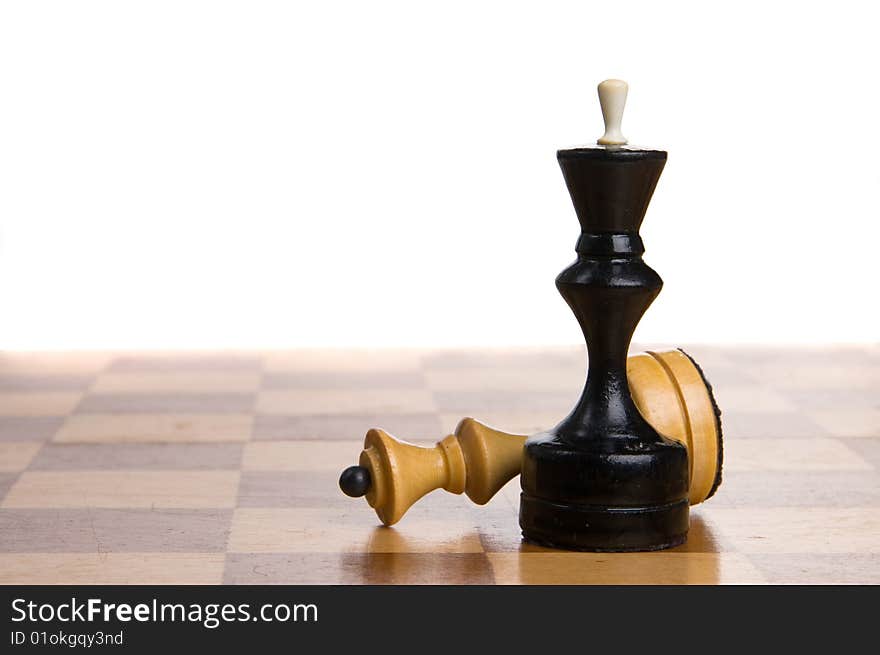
612	98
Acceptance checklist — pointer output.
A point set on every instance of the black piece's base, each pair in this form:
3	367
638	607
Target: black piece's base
603	529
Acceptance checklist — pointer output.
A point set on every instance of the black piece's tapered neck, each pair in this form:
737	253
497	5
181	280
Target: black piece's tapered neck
611	187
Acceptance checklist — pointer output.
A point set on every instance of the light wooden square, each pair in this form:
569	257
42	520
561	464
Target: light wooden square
300	455
162	428
48	403
350	401
807	376
343	360
160	489
111	568
569	379
661	568
791	455
182	382
848	422
332	531
797	529
751	398
54	363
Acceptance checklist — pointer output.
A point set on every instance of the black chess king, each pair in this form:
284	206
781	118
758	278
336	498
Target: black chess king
603	479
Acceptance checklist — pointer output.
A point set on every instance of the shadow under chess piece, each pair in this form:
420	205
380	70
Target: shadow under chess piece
667	387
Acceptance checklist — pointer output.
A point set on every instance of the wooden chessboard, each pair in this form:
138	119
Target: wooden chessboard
223	467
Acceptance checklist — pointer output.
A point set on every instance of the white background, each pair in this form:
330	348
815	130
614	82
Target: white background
256	174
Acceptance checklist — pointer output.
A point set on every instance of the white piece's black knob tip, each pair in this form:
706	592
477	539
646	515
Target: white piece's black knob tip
355	481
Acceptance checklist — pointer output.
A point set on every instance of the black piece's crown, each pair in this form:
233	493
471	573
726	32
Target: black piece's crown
611	187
